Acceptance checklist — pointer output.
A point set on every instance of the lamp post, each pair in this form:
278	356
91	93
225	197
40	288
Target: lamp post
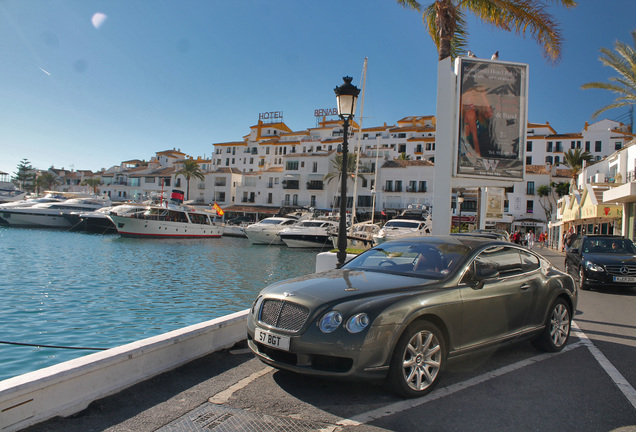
346	96
460	200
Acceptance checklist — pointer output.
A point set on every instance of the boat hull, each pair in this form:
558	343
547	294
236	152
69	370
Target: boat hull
133	227
306	241
264	237
26	218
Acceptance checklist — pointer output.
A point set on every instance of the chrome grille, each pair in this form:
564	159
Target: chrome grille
283	315
621	270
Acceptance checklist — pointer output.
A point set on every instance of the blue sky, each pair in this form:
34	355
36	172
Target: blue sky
84	93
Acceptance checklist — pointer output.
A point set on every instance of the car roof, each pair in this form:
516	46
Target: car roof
472	241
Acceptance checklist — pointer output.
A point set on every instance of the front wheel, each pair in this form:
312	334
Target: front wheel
557	329
417	360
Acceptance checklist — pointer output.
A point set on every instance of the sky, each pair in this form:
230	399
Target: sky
87	84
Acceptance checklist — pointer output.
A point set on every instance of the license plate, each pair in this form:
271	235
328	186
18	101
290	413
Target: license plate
273	340
624	279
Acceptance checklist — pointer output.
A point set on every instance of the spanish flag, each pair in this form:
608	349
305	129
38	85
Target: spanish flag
218	209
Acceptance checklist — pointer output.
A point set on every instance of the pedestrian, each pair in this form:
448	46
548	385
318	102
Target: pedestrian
569	239
542	238
530	239
516	237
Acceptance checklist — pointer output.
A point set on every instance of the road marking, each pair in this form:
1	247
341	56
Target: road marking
225	395
447	391
620	381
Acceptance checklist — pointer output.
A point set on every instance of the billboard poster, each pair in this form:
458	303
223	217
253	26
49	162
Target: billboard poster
495	203
492	119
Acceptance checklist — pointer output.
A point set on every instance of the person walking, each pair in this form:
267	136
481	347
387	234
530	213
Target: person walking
530	239
569	239
542	238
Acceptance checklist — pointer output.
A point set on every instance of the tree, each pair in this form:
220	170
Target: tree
93	182
562	189
446	22
46	181
546	199
336	164
190	169
574	158
623	61
403	156
25	176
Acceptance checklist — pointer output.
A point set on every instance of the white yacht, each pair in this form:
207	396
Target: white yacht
50	214
98	221
401	228
167	220
266	230
359	236
311	233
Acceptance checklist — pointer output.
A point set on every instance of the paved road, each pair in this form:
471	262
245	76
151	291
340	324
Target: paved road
587	387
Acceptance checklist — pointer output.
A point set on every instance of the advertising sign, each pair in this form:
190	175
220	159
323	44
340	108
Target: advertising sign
495	203
492	119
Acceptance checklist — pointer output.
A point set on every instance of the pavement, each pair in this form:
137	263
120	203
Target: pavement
192	398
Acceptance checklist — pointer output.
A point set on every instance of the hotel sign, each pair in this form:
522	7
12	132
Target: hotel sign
325	112
492	118
272	116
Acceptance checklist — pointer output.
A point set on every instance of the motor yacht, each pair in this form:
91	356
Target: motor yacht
310	233
50	214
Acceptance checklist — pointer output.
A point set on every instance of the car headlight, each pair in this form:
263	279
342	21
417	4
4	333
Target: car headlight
593	267
357	323
330	322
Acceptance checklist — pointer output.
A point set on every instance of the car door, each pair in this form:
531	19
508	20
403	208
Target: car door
494	307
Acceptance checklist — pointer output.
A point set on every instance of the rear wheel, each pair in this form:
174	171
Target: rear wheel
417	361
557	329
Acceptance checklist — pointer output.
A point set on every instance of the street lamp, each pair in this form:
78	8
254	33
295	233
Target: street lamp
460	200
346	95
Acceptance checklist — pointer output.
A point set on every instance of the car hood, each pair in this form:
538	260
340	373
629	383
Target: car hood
610	258
335	285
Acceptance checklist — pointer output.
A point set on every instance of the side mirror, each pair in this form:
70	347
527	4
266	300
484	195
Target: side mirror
486	273
574	251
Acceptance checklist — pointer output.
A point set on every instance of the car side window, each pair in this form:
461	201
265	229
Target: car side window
529	262
504	259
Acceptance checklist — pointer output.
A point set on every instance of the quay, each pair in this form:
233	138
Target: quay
207	371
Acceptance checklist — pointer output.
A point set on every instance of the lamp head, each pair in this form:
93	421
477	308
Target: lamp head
346	95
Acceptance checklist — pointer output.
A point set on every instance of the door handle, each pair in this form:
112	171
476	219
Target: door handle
524	287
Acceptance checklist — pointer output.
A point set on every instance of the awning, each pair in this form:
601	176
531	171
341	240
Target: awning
529	219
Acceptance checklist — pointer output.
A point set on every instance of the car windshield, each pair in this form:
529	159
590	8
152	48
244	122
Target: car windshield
609	245
434	260
402	224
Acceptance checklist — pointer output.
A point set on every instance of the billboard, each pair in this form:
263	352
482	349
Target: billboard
492	118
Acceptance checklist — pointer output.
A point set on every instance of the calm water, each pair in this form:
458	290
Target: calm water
82	290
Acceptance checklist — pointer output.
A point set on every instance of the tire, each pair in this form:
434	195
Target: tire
582	280
557	328
417	360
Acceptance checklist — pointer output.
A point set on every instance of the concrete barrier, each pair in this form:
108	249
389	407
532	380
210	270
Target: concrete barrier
69	387
328	261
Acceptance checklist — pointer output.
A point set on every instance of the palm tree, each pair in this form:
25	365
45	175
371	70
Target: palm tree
623	61
46	181
403	156
93	182
573	159
336	164
190	169
446	22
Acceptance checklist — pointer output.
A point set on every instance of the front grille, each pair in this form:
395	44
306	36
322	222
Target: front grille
283	315
621	270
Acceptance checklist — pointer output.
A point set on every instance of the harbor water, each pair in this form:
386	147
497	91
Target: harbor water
69	289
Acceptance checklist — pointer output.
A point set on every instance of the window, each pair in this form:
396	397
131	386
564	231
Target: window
528	160
548	160
530	188
312	201
618	145
389	186
418	148
587	146
398	185
422	187
314	167
529	146
292	165
269	198
402	148
530	206
559	146
556	160
572	144
548	146
597	146
219	181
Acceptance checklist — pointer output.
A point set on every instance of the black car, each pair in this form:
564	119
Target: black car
602	260
401	309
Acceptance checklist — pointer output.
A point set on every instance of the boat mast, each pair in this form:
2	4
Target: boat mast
355	178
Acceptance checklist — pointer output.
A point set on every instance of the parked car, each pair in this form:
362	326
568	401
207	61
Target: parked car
602	260
402	309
